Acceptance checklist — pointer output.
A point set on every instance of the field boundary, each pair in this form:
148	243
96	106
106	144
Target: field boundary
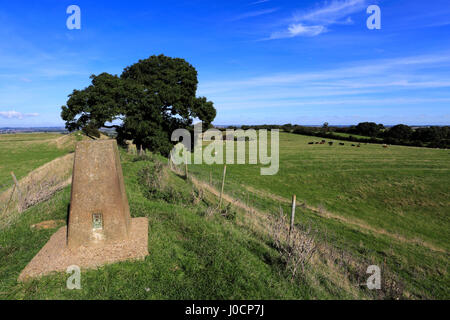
37	186
349	221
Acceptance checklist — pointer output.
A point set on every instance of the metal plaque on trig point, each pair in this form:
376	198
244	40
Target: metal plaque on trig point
97	221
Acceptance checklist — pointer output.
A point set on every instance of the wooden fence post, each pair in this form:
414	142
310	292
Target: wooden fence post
223	183
172	164
10	198
185	162
169	160
19	193
292	216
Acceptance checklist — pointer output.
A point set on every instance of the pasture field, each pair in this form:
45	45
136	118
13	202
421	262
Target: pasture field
346	135
387	205
194	252
24	152
365	206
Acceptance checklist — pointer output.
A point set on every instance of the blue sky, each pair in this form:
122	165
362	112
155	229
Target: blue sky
271	61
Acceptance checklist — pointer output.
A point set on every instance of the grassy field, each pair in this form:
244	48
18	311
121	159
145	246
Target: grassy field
24	152
390	205
346	135
366	205
193	255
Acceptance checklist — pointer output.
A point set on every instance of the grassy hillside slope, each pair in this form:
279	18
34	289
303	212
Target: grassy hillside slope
196	252
24	152
363	206
390	205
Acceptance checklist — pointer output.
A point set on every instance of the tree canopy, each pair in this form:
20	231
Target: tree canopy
151	98
399	131
370	129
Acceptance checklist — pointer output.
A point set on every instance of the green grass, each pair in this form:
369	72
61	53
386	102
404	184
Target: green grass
346	135
400	190
22	153
191	256
403	191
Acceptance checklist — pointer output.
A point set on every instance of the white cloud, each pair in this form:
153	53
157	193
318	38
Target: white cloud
380	82
259	2
333	12
314	22
299	29
380	102
405	71
16	115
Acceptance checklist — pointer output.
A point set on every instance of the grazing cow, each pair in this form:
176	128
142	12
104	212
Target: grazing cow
310	142
317	143
330	143
353	145
341	143
358	145
323	141
385	145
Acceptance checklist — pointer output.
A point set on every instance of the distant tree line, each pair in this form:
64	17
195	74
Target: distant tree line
401	134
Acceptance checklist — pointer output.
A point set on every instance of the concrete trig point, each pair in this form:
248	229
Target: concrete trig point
99	211
100	229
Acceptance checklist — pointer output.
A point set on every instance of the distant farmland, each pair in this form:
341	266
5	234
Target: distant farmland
383	204
24	152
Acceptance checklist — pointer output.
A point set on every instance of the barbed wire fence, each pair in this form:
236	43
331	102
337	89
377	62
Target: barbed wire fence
11	200
217	177
7	191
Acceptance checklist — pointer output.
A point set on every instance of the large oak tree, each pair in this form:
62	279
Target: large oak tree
151	98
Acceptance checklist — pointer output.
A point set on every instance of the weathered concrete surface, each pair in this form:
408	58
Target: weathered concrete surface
49	224
97	189
100	229
55	256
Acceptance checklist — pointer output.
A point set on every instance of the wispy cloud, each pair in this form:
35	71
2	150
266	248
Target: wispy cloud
253	14
332	12
259	2
379	102
373	83
404	71
295	30
314	22
17	115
